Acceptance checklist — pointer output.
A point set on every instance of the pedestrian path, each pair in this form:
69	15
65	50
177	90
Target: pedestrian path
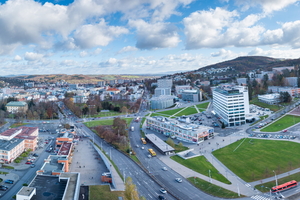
197	109
178	112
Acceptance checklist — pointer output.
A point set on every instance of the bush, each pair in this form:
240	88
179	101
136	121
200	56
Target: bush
170	142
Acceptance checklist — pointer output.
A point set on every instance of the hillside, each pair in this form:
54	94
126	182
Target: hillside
79	78
248	63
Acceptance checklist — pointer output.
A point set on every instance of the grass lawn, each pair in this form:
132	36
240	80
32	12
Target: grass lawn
212	189
102	192
255	159
283	123
202	166
107	114
170	112
188	111
179	148
203	105
105	122
255	101
17	125
262	187
159	114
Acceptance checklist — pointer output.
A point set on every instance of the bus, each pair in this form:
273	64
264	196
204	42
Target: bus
284	186
152	152
143	141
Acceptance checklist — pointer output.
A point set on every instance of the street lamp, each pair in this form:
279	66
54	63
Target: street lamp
275	178
209	176
270	192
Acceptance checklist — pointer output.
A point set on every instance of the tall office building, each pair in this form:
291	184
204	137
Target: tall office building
164	83
231	104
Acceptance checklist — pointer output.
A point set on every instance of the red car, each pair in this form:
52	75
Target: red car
28	162
284	131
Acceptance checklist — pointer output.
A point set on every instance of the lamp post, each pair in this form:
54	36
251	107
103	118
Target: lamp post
275	178
270	192
209	176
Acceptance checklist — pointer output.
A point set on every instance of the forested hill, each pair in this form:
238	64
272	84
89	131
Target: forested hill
248	63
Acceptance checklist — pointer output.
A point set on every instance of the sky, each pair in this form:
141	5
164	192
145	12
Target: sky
142	36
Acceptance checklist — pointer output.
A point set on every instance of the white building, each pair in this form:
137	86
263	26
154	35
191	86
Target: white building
164	83
191	133
231	104
162	102
272	99
162	91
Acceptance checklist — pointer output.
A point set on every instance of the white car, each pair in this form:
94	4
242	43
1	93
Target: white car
179	180
164	168
162	190
149	156
143	147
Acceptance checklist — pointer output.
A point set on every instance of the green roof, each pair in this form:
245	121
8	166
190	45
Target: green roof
16	103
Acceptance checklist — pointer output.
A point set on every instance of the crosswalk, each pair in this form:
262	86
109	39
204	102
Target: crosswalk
248	185
259	197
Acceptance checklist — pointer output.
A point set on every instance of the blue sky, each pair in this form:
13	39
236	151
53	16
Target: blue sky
142	36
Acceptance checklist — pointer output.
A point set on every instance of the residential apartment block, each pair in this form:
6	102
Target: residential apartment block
13	142
231	104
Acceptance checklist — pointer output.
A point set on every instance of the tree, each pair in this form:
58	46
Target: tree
170	142
130	190
223	125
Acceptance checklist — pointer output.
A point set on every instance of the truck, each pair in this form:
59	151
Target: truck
132	128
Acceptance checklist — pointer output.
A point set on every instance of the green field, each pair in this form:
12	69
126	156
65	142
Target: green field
256	159
264	187
105	122
212	189
170	112
281	124
107	114
102	192
203	105
255	101
188	111
201	165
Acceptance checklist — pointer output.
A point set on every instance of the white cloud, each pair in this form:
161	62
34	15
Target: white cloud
91	35
225	54
31	56
267	5
221	28
127	49
17	58
157	35
83	54
278	52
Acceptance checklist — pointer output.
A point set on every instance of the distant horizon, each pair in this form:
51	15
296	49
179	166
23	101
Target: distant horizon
142	37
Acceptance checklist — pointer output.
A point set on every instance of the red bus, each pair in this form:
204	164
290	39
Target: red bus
284	186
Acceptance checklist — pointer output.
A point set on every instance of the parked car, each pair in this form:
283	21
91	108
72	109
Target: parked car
9	181
35	155
32	165
162	190
28	163
3	187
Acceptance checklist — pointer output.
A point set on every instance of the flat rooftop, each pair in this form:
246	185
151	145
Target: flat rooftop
159	143
48	187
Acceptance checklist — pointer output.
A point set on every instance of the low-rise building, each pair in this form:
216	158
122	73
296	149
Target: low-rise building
16	106
272	99
187	132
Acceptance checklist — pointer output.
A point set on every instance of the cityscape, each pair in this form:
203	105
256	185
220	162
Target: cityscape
149	99
180	136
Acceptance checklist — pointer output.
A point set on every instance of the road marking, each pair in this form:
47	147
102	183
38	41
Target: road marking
248	185
150	196
259	197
